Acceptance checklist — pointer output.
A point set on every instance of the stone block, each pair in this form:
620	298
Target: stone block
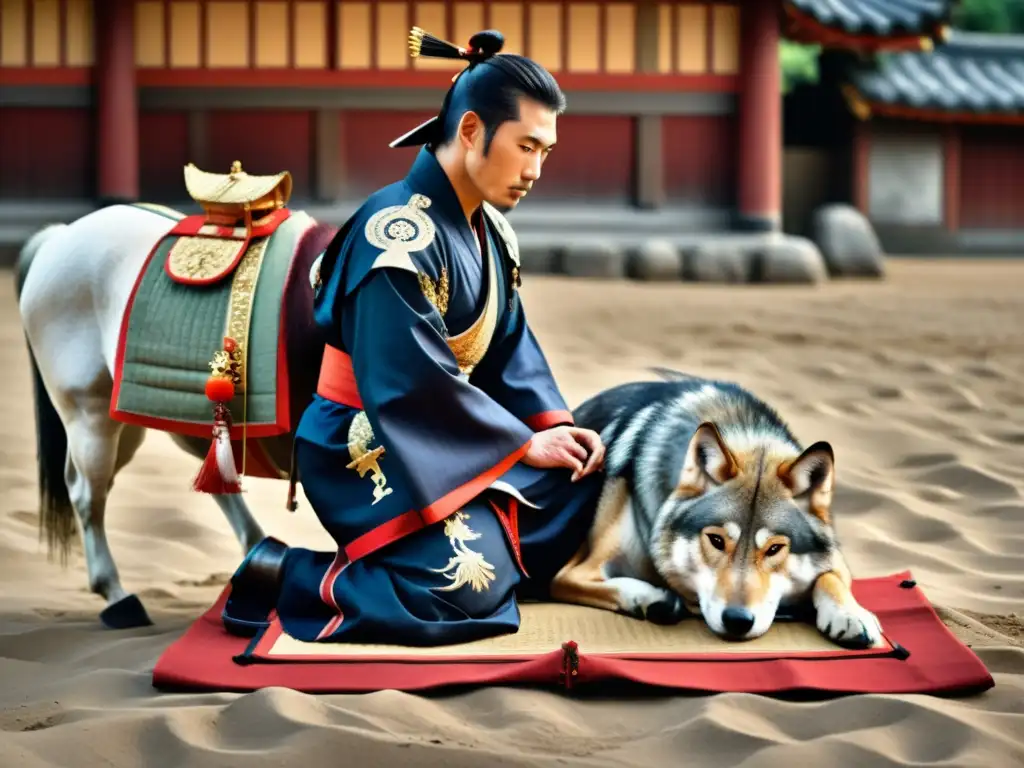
655	260
848	242
788	259
718	262
537	259
598	258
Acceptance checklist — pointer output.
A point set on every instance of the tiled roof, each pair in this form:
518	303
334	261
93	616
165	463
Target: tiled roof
878	17
971	72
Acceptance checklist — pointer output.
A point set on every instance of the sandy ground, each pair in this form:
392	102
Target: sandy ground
916	381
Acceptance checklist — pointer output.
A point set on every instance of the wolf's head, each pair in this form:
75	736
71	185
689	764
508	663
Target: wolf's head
746	530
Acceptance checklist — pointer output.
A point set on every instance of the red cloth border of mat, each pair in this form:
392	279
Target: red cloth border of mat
204	658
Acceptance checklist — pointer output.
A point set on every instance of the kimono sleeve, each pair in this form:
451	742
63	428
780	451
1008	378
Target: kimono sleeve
516	374
448	439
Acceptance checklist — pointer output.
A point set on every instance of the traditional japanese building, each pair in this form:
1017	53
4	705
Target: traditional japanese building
674	109
938	145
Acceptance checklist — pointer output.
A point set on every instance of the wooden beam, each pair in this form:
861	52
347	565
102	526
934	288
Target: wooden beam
939	116
45	76
401	78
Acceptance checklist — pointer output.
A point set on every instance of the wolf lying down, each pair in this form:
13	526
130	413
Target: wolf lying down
711	505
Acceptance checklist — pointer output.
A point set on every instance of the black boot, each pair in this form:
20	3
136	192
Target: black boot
254	589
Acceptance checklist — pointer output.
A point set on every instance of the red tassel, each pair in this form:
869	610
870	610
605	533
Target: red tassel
218	473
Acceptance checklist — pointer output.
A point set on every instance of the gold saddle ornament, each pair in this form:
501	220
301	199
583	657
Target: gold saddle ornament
234	205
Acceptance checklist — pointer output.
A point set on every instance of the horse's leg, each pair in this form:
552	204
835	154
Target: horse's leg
127	446
247	530
239	516
97	447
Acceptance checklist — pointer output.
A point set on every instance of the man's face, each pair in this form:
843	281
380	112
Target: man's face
517	153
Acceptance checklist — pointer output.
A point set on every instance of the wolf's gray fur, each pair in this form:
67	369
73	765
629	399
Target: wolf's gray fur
649	428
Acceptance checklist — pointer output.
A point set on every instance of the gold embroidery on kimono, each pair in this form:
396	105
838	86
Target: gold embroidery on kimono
470	346
465	567
436	292
360	436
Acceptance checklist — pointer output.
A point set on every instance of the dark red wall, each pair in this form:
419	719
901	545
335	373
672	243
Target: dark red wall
699	153
991	169
265	141
47	152
163	153
593	160
367	163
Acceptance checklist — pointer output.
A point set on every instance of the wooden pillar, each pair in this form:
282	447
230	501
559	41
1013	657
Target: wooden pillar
327	170
649	189
198	138
116	102
759	107
951	178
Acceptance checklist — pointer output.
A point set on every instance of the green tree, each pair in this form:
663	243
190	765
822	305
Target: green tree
1015	11
799	64
986	15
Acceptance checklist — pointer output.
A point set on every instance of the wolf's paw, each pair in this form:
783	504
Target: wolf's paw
671	610
849	625
647	602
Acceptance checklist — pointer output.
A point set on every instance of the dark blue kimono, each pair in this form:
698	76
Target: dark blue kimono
439	525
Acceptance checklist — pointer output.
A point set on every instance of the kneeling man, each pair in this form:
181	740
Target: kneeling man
438	451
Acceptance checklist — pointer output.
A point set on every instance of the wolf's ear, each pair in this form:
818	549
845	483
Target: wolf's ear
707	458
812	474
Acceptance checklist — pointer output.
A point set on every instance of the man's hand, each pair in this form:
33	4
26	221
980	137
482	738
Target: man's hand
580	450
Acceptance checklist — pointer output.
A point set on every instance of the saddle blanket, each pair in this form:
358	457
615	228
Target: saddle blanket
200	284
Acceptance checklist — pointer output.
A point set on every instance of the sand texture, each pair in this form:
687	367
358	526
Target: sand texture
918	383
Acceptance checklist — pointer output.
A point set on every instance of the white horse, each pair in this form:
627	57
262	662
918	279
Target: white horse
73	283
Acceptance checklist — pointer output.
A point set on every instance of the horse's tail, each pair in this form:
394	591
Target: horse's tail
28	253
56	514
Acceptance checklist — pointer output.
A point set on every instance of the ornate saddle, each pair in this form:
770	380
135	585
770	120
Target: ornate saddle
229	198
238	209
223	292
